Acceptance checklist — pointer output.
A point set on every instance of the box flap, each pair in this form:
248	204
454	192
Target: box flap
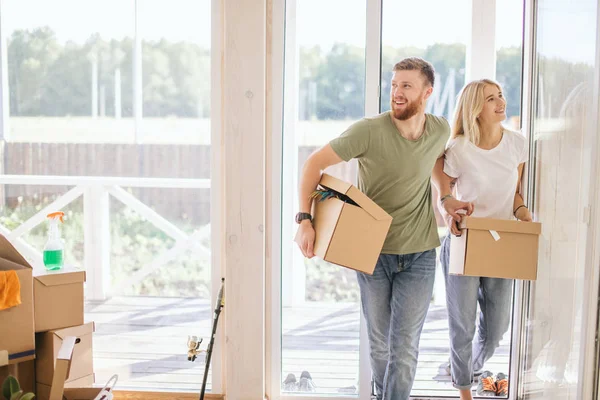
501	225
458	251
359	197
3	358
8	252
7	265
334	183
59	277
325	218
61	369
78	331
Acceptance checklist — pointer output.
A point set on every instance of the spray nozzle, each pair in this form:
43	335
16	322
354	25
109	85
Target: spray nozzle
56	215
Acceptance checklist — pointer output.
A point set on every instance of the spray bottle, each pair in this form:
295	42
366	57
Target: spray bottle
54	249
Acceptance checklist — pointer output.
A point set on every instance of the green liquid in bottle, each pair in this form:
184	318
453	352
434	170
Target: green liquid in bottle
53	259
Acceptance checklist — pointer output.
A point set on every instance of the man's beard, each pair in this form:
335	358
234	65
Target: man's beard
412	108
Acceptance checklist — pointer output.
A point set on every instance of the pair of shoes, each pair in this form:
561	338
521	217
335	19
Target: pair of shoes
305	384
490	386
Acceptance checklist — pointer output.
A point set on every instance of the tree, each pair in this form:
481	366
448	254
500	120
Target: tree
339	80
29	54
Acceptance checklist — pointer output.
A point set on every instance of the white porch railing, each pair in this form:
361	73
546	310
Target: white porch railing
95	192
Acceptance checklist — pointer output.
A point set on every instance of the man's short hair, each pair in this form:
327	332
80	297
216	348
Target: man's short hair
417	64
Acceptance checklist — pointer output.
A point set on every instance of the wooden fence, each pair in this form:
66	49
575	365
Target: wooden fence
114	160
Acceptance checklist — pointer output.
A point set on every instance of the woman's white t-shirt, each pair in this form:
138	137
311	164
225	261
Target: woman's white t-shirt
487	178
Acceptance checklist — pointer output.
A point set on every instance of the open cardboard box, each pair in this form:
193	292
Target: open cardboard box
16	323
50	343
346	234
495	248
58	391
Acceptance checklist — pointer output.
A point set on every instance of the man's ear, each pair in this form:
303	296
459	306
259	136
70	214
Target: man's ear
428	92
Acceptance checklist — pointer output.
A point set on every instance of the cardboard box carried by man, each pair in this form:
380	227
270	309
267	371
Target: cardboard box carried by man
350	228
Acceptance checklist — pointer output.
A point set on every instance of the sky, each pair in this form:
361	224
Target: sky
320	22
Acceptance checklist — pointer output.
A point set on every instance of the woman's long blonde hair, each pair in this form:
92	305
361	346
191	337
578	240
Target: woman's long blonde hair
470	104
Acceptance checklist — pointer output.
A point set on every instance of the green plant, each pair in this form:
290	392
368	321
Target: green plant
12	391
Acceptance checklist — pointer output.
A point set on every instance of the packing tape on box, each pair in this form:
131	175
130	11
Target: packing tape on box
495	235
3	358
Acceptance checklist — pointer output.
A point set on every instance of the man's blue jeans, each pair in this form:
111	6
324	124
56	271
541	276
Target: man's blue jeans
395	300
469	352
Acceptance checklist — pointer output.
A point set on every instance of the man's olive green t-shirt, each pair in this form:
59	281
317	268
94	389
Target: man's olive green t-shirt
395	173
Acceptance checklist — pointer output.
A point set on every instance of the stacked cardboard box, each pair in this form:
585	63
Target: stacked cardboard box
17	333
59	390
50	309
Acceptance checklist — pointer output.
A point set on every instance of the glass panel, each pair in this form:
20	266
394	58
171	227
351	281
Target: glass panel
320	301
509	56
443	43
562	133
74	93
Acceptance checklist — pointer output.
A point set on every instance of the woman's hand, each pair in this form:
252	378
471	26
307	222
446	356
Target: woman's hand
452	210
456	208
452	224
523	214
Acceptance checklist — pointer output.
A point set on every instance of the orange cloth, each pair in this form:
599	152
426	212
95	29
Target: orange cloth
10	289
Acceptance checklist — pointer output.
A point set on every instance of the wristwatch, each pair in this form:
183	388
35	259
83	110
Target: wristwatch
301	216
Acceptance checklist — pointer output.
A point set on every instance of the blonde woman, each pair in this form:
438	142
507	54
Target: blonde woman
484	162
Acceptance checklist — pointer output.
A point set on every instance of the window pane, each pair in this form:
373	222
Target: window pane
84	109
320	308
509	56
53	59
442	43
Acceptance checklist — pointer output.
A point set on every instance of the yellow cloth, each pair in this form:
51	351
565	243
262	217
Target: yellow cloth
10	289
